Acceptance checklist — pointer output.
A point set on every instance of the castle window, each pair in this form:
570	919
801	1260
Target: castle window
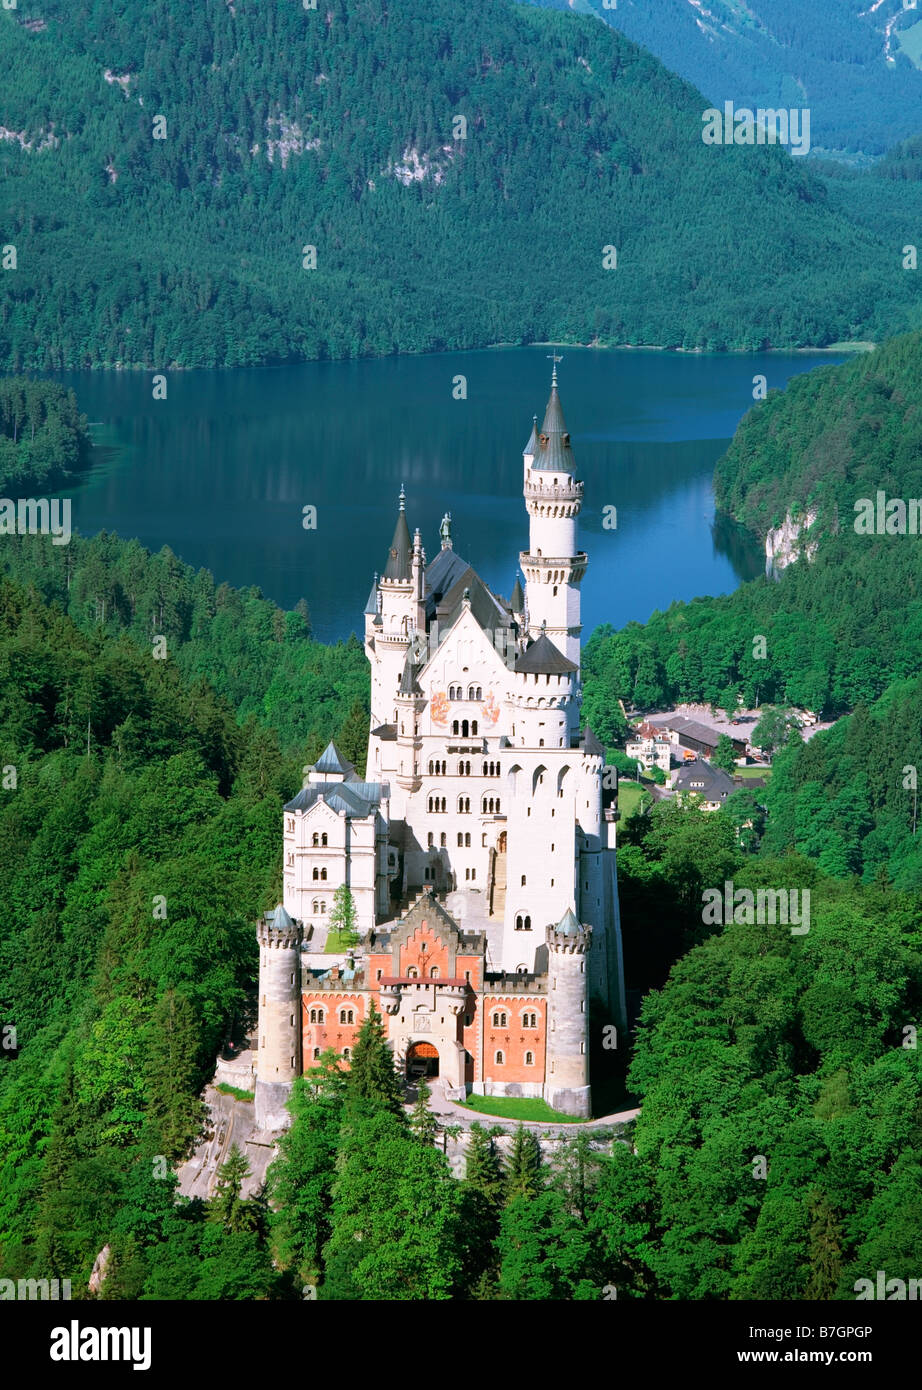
412	972
464	805
290	858
323	873
315	839
378	974
316	874
434	973
323	909
430	839
540	742
346	1016
529	1020
315	907
290	824
291	1020
316	1053
499	1019
460	839
523	880
423	946
467	841
347	1053
264	1001
317	1015
323	838
474	726
443	841
499	1059
465	728
467	976
529	1059
582	1048
454	726
292	1064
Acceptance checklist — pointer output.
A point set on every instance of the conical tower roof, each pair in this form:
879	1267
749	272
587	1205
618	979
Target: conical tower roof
398	558
517	602
553	453
532	446
281	919
568	924
371	606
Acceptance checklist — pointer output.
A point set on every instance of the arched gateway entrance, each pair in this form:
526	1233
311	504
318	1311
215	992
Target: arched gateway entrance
422	1060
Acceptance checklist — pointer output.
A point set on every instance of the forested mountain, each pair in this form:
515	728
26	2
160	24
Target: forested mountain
285	128
854	63
831	437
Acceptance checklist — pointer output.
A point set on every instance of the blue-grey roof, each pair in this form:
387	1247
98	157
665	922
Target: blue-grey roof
354	800
281	919
568	924
544	659
371	607
553	453
331	760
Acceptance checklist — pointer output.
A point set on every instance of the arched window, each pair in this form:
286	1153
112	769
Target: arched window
323	909
443	840
529	1020
316	1053
315	907
323	873
323	838
430	840
460	839
434	973
317	1016
316	873
527	923
467	841
499	1059
454	726
529	1059
473	726
315	839
465	727
499	1019
523	880
347	1053
346	1016
412	972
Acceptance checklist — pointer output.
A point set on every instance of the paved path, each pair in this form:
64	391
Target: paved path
449	1112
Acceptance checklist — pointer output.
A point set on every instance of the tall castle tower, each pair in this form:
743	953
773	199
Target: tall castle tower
566	1086
279	1031
553	565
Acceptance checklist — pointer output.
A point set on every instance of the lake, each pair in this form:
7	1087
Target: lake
222	469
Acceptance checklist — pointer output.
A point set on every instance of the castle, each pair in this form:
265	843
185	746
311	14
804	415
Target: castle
479	849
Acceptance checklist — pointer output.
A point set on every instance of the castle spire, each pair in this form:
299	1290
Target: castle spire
398	559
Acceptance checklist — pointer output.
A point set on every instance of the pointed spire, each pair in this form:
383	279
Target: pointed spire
398	559
531	447
553	453
371	607
517	602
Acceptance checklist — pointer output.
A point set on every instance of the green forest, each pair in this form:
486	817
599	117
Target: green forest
44	440
284	129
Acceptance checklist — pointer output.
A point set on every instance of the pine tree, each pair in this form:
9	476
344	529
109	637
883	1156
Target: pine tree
725	754
372	1075
523	1167
343	917
226	1205
483	1170
825	1249
422	1121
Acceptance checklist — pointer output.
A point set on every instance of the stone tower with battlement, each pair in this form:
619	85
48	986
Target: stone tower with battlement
566	1084
278	1054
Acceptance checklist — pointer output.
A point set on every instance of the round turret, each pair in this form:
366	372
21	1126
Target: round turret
278	1052
567	1080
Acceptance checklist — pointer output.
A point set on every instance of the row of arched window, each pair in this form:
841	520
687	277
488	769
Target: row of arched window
523	923
464	727
346	1054
529	1059
319	874
500	1019
319	839
319	908
346	1016
456	692
438	767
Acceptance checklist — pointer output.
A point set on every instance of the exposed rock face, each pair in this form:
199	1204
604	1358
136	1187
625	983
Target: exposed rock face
787	542
100	1269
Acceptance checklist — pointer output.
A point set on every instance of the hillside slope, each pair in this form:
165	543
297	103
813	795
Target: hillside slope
854	63
286	128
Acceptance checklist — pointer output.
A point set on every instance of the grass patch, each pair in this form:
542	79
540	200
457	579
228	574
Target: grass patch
629	794
747	772
511	1108
338	942
234	1091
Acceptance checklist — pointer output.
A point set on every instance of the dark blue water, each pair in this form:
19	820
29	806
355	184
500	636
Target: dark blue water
222	469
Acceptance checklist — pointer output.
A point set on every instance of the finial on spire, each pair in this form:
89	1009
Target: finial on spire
402	500
552	357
